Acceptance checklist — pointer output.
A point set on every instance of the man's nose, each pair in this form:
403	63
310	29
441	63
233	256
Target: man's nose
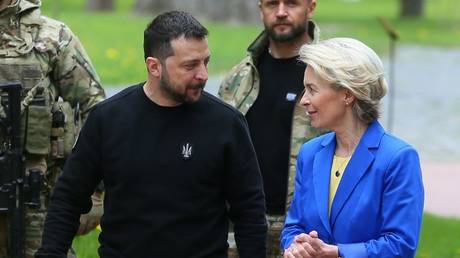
281	11
202	73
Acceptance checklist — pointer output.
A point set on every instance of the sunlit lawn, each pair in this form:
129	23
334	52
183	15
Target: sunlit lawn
114	40
440	25
440	238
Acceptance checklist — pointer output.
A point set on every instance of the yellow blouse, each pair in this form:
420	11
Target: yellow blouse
338	168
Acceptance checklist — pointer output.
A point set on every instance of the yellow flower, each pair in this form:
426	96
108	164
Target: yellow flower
111	53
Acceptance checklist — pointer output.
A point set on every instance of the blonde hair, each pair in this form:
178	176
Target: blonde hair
347	63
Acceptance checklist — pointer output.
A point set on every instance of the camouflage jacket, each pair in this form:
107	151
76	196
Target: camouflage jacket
54	69
240	89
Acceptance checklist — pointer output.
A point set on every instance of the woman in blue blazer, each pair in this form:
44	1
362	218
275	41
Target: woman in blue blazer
359	190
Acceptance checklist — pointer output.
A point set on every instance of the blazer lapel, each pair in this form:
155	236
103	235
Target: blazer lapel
321	176
361	160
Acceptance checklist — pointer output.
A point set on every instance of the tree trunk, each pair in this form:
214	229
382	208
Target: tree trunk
100	5
412	8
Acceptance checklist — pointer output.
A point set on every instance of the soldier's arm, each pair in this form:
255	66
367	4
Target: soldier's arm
74	75
78	83
232	81
72	194
225	85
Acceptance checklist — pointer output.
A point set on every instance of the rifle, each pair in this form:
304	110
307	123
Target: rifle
12	169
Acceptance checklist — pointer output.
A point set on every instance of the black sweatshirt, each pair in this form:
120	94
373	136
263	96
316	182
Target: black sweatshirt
173	177
270	124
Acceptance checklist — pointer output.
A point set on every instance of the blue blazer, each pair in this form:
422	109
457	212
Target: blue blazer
378	206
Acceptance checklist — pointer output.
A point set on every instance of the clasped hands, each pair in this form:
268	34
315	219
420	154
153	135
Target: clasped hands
310	246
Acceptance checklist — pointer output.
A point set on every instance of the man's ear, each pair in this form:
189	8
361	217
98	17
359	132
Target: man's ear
260	10
311	9
154	66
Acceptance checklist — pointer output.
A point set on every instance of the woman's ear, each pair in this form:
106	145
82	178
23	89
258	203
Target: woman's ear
349	98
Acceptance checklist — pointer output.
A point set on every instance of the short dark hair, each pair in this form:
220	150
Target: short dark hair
167	27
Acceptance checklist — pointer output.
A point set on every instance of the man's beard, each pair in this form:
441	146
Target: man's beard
176	96
296	32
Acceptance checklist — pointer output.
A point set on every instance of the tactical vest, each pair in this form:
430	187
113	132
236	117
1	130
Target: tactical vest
49	124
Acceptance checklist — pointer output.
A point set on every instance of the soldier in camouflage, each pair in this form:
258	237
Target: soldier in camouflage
59	84
249	88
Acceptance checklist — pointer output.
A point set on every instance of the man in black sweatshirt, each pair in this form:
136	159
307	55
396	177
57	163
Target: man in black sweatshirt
176	162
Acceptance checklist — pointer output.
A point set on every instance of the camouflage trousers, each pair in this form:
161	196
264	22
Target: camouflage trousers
34	218
275	224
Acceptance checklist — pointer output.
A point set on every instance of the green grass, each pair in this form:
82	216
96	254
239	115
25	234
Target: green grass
114	40
440	26
440	239
86	246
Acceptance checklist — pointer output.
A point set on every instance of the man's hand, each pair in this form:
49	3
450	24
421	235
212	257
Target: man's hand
90	220
310	246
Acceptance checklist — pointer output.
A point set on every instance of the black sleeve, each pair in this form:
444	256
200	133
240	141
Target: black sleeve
244	192
72	194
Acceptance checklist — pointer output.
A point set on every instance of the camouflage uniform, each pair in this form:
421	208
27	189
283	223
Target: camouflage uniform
57	76
240	89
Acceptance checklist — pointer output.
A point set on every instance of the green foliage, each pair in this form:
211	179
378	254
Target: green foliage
440	238
114	40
